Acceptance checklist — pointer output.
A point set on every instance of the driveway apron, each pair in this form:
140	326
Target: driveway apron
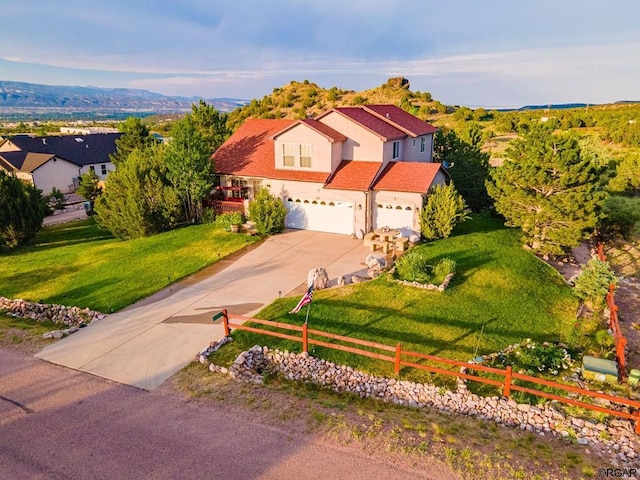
147	342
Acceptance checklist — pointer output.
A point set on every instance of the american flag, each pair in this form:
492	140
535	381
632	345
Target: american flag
305	300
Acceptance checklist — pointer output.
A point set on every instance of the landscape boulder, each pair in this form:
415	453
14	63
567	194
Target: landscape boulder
319	278
375	262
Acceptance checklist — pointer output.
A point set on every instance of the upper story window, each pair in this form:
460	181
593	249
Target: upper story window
103	169
288	154
396	149
92	168
305	155
423	144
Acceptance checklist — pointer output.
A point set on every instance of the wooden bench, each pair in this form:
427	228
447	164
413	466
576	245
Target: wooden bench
402	244
379	243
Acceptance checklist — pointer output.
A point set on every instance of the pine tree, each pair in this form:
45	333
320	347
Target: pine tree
135	135
444	209
549	190
22	209
468	167
138	200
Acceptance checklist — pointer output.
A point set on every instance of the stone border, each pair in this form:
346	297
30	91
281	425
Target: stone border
426	286
74	317
615	438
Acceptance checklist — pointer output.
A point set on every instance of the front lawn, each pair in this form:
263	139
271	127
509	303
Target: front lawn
500	295
78	264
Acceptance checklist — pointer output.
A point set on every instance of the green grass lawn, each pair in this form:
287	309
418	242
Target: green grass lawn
79	264
500	295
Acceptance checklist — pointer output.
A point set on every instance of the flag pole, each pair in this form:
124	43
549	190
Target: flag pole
307	317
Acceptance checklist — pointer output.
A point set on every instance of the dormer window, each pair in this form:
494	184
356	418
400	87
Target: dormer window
396	149
288	154
305	155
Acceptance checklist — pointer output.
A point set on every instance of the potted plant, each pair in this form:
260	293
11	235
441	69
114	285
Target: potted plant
236	219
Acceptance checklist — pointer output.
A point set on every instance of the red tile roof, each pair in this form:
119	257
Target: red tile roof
325	130
371	122
250	152
403	120
353	175
407	177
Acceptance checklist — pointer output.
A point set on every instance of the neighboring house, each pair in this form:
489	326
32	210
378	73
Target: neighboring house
348	170
58	161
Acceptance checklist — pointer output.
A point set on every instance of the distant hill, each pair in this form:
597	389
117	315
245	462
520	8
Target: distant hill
306	99
26	98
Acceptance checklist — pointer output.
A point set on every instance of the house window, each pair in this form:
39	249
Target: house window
103	169
423	144
305	155
92	168
396	149
288	154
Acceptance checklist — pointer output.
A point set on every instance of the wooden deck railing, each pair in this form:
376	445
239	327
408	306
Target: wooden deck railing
401	358
614	324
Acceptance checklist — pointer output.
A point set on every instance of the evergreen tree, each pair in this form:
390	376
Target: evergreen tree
549	190
189	166
89	187
135	135
22	209
211	123
444	209
468	167
138	200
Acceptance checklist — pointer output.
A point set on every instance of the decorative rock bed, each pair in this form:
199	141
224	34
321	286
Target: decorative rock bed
428	286
616	438
73	317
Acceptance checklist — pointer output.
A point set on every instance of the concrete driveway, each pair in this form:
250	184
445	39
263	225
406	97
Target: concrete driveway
147	342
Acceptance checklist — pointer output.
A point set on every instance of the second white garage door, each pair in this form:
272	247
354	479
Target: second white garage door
321	216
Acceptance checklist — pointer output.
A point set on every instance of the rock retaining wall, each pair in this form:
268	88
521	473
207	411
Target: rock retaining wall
616	437
73	317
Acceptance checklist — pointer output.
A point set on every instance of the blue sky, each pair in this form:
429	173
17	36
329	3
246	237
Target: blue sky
465	52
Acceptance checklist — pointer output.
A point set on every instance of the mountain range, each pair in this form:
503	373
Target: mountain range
25	98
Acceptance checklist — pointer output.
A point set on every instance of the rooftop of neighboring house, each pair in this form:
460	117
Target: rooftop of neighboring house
23	161
79	149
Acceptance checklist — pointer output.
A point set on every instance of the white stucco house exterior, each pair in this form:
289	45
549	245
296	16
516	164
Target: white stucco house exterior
58	161
349	170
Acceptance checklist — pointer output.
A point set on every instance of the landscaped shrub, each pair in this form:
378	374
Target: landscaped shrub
444	209
414	266
267	213
593	283
225	220
444	267
532	357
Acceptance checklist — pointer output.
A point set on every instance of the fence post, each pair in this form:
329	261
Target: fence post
305	338
225	322
507	383
397	362
638	423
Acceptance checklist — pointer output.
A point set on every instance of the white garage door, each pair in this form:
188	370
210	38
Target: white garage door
394	216
321	216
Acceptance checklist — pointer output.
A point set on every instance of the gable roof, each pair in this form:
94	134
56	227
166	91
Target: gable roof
371	122
407	177
353	175
406	122
324	130
26	161
79	149
250	152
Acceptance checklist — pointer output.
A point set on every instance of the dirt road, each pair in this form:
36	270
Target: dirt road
57	423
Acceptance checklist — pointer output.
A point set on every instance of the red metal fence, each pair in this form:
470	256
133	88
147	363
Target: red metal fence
469	371
614	324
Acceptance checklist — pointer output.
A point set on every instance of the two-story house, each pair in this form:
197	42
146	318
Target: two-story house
58	161
350	169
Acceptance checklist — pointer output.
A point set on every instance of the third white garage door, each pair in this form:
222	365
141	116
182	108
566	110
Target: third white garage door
321	216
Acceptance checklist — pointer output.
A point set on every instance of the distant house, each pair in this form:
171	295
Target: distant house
58	161
350	169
